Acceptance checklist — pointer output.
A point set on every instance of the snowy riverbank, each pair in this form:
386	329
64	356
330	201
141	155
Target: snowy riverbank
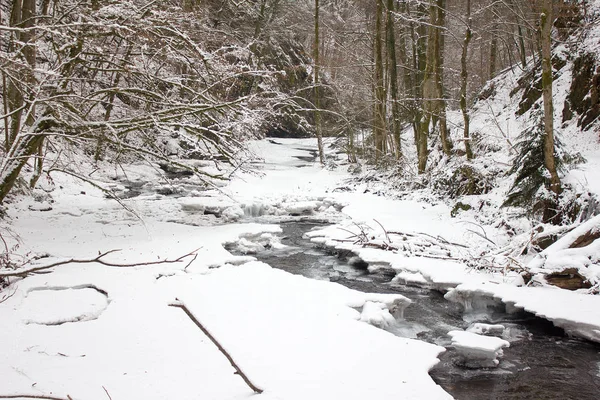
87	329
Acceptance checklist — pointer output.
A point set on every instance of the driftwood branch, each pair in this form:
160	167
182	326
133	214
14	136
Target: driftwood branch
98	260
238	370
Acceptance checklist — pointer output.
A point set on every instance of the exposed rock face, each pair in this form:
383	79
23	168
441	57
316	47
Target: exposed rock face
569	279
531	84
583	94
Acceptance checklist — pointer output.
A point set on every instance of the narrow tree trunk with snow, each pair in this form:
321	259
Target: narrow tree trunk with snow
439	71
546	45
393	73
464	77
317	94
429	87
379	125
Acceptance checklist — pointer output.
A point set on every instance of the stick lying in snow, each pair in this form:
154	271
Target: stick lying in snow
26	271
33	396
238	370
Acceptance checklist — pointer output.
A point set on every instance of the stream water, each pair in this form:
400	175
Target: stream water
541	363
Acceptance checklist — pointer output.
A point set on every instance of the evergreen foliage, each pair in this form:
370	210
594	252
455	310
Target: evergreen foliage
531	177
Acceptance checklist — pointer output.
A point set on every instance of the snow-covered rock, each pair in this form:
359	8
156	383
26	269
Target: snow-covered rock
477	351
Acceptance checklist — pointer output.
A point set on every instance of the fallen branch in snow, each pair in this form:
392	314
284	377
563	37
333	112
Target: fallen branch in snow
482	235
34	396
26	271
106	191
7	296
238	370
108	394
380	246
416	243
384	230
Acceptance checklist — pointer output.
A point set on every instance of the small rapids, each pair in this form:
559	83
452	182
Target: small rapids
541	362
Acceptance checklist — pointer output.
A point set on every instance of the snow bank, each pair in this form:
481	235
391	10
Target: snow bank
299	338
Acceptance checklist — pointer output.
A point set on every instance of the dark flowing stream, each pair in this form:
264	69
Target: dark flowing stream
541	363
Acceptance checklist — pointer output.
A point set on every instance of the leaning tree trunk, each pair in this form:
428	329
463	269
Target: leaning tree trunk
464	77
22	149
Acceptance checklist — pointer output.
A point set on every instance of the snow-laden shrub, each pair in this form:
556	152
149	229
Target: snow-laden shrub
463	180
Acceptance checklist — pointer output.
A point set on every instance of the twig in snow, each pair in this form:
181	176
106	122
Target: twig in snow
106	391
8	296
99	260
443	240
481	235
238	370
33	396
191	261
361	238
384	231
106	191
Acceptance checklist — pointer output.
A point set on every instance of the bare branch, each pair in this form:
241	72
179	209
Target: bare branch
179	304
99	260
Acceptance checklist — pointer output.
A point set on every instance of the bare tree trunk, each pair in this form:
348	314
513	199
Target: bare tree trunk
14	91
5	109
23	148
441	103
493	56
546	44
522	52
379	126
493	45
464	76
393	71
429	87
419	39
317	95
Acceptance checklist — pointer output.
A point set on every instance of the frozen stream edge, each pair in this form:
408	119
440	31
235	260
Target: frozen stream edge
574	312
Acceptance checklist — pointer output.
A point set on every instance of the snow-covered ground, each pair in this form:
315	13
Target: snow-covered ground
88	331
85	330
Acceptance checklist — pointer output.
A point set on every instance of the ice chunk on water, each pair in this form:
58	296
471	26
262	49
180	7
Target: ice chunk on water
233	213
477	351
302	207
377	314
245	246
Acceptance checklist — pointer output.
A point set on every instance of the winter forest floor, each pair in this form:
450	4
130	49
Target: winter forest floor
91	331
